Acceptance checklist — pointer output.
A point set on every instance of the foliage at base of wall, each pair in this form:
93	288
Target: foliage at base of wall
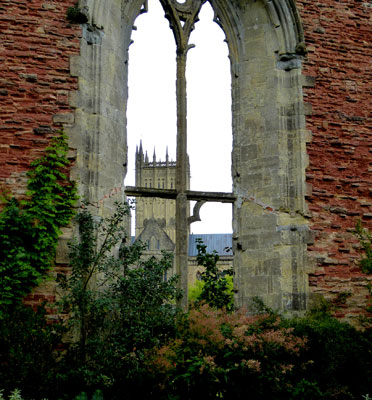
119	306
29	228
210	354
131	342
235	356
28	356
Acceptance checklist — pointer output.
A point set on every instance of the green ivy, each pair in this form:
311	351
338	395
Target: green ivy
365	239
29	229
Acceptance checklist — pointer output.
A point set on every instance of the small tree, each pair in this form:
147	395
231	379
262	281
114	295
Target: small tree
216	290
119	305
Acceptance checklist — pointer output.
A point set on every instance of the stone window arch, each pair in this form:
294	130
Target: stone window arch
266	49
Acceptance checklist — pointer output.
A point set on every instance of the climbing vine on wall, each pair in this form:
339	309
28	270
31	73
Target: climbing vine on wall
365	239
29	229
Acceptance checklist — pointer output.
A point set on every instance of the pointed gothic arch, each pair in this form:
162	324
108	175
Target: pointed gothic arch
265	41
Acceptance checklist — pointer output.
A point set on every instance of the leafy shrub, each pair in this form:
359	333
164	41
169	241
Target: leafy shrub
217	287
231	356
14	395
97	395
196	290
28	357
128	339
341	355
119	308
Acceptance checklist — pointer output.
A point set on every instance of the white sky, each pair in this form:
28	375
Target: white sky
152	105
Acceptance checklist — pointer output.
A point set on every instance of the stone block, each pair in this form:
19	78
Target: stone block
272	266
76	66
308	81
308	109
63	251
256	286
65	118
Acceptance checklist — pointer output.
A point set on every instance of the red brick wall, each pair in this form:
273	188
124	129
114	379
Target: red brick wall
36	42
338	36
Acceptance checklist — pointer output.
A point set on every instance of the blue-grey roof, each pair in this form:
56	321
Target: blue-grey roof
219	242
214	241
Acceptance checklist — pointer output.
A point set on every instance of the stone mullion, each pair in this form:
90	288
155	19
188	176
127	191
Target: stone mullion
181	19
181	177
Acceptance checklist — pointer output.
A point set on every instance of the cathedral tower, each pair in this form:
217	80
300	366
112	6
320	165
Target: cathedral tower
155	174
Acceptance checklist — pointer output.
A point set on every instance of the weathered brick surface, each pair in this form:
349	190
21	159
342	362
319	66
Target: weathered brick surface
35	46
338	37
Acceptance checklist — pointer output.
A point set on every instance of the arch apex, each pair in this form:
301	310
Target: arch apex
286	19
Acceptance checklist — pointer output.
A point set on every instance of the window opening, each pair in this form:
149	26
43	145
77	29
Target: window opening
209	130
151	106
182	18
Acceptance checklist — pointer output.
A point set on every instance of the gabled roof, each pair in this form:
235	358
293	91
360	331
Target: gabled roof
152	229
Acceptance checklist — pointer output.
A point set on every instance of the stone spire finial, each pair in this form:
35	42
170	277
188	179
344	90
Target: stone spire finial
139	153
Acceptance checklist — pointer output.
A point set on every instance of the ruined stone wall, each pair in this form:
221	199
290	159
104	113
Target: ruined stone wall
269	159
55	74
339	177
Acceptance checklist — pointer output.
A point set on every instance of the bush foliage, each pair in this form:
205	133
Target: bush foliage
119	305
28	356
228	355
231	356
215	287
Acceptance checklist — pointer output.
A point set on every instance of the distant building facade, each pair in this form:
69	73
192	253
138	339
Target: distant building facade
155	223
154	211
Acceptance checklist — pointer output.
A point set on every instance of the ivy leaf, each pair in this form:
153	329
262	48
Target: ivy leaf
29	229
